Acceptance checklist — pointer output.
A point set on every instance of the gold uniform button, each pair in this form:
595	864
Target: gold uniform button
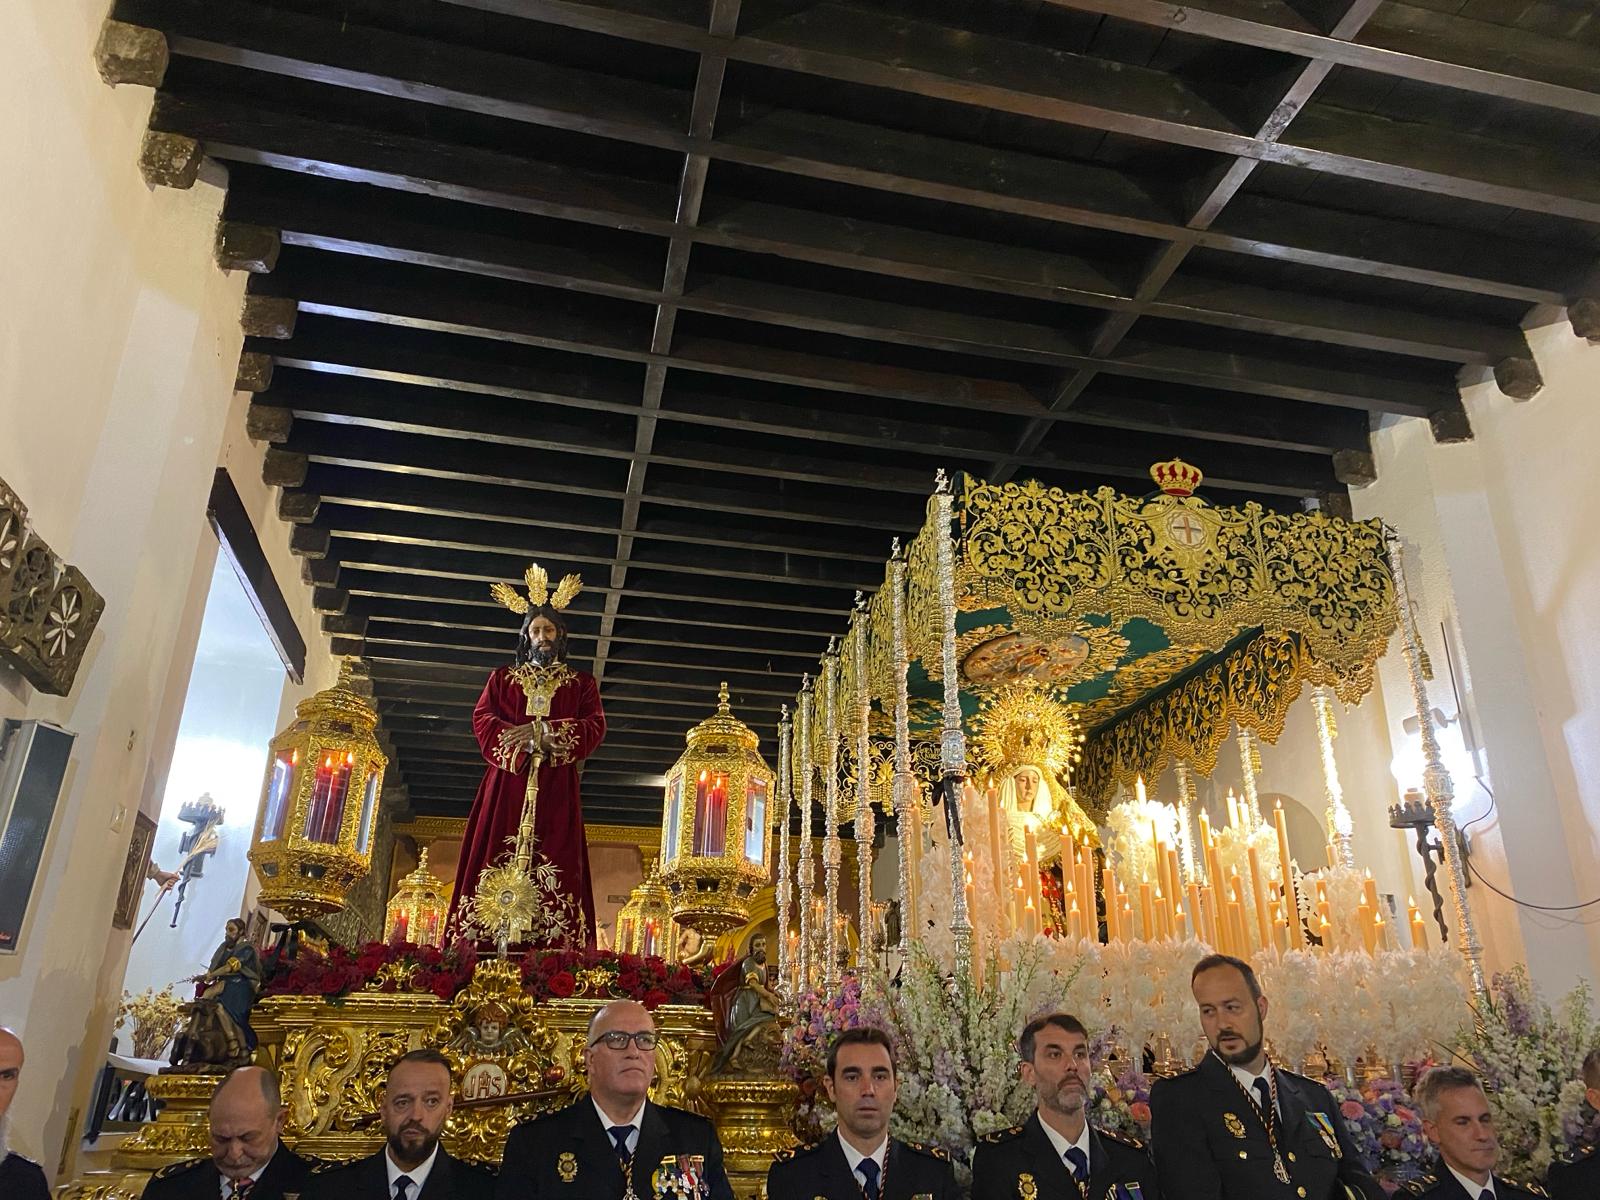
1242	1154
1300	1191
1291	1156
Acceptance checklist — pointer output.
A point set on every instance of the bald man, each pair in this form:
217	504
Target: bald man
20	1178
614	1142
247	1161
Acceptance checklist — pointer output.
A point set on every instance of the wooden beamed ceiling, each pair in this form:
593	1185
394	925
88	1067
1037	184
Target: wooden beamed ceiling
695	296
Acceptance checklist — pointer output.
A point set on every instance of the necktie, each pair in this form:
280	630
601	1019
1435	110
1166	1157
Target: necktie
402	1185
1486	1194
619	1135
1079	1162
869	1173
238	1189
1264	1100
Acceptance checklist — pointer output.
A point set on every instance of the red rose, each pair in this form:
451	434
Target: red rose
562	984
655	998
443	986
628	980
331	984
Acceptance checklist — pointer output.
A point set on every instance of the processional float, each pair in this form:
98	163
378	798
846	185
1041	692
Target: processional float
1031	659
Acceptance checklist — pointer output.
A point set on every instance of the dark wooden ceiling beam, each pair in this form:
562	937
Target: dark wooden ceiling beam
723	21
502	639
246	133
647	606
1407	41
372	356
439	414
341	288
785	141
488	562
702	621
853	45
479	463
802	593
1009	270
1213	195
471	503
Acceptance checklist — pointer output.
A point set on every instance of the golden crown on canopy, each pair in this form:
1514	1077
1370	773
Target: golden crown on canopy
1176	477
538	581
1023	724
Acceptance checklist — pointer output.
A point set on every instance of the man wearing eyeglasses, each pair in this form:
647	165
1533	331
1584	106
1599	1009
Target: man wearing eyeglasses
613	1143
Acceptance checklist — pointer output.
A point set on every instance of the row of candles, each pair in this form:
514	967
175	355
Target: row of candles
1233	912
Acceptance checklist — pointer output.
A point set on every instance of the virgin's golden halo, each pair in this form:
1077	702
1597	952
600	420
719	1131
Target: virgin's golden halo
1024	724
537	580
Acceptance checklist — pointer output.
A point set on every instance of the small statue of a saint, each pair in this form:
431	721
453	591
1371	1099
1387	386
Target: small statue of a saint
217	1032
751	1038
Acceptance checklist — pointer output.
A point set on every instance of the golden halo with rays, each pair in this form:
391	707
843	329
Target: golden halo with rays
537	580
1020	724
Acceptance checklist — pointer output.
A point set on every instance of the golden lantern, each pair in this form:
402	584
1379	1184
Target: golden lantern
417	909
714	831
319	803
644	923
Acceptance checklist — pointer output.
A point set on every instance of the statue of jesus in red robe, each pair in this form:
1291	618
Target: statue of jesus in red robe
575	727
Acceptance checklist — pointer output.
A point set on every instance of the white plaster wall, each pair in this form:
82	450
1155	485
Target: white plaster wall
229	716
118	343
1502	530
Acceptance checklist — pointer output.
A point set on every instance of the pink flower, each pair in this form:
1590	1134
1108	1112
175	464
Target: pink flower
1352	1110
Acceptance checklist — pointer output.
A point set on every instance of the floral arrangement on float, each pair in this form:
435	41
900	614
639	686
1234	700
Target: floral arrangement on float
818	1020
443	972
1527	1054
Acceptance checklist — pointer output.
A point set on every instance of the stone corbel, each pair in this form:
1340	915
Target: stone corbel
48	610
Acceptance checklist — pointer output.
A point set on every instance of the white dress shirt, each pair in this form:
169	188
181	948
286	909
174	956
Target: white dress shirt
1248	1080
1475	1190
255	1177
418	1175
637	1121
855	1158
1061	1144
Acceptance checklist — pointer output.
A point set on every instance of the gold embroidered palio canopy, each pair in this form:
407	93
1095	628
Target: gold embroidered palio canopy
1156	621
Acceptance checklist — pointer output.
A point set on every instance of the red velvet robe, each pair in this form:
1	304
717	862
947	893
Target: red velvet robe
579	725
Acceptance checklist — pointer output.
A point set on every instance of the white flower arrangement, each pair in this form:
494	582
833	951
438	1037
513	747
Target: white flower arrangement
1134	826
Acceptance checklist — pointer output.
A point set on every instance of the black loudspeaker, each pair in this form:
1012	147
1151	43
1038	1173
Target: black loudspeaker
33	763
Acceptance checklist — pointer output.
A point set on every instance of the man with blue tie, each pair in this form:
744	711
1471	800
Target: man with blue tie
613	1143
1237	1127
1056	1150
860	1161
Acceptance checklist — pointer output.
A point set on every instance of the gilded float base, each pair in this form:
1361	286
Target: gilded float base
180	1131
513	1059
106	1185
754	1120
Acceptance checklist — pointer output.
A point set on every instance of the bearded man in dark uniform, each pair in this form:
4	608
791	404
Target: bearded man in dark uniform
1056	1149
1239	1128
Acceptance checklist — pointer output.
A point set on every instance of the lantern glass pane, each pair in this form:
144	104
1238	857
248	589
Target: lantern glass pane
710	814
325	813
669	837
280	787
755	822
369	808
